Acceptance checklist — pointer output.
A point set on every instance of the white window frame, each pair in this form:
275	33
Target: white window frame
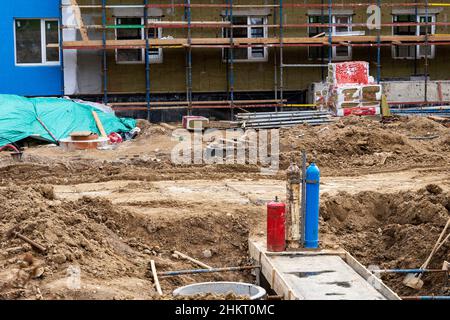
43	45
432	28
152	59
335	33
265	58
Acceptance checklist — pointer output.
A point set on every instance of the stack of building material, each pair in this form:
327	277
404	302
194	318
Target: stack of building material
351	90
195	122
269	120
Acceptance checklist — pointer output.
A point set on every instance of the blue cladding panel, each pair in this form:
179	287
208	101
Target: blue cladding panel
26	80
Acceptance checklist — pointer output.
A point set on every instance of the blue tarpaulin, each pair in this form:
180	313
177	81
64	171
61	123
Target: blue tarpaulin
22	117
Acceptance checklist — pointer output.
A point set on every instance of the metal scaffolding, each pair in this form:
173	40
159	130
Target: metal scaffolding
229	43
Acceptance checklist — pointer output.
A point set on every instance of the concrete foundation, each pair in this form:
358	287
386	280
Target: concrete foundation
319	275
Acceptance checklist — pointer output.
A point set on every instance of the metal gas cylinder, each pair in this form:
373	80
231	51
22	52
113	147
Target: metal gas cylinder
276	230
312	207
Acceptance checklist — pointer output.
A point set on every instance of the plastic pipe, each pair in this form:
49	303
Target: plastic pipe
9	146
426	298
312	207
407	271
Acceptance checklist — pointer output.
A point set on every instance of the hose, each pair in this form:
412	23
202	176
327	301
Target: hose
9	146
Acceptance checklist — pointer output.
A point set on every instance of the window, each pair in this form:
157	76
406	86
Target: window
343	23
127	32
249	27
411	52
37	42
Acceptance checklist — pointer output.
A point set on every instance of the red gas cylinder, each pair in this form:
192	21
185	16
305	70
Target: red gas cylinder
276	232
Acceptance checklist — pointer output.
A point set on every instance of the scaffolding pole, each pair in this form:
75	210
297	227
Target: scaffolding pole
189	57
231	58
217	24
416	12
322	49
147	63
280	35
427	47
379	47
330	31
105	62
286	5
275	62
61	49
280	11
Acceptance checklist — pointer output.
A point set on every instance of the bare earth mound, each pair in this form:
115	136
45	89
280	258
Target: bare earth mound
110	247
358	144
396	230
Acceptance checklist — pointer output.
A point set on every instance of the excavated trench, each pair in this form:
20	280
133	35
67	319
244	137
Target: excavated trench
391	230
112	240
110	246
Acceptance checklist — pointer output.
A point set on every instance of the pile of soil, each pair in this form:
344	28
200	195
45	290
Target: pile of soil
149	130
396	230
107	246
356	142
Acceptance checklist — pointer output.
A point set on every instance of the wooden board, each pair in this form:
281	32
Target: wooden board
77	12
113	44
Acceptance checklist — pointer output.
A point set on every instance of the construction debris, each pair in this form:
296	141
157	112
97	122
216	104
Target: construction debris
34	244
195	261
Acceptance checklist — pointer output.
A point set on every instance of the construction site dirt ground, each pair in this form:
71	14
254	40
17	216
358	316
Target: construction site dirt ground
103	215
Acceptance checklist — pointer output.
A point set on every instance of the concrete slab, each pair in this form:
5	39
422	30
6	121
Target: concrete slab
319	275
325	278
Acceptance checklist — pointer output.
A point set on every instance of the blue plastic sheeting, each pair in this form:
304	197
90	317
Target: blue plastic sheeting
19	119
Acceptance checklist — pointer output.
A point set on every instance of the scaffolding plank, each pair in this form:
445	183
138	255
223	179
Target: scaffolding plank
114	44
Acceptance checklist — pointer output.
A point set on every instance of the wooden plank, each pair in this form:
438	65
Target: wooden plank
276	280
195	261
371	278
155	278
77	12
112	44
99	124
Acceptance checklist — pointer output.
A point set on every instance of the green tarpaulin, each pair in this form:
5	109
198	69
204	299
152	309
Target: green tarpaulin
19	118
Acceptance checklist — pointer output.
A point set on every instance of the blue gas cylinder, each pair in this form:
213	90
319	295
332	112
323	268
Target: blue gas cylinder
312	207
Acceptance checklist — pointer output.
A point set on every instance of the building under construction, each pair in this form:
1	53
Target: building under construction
143	56
264	53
